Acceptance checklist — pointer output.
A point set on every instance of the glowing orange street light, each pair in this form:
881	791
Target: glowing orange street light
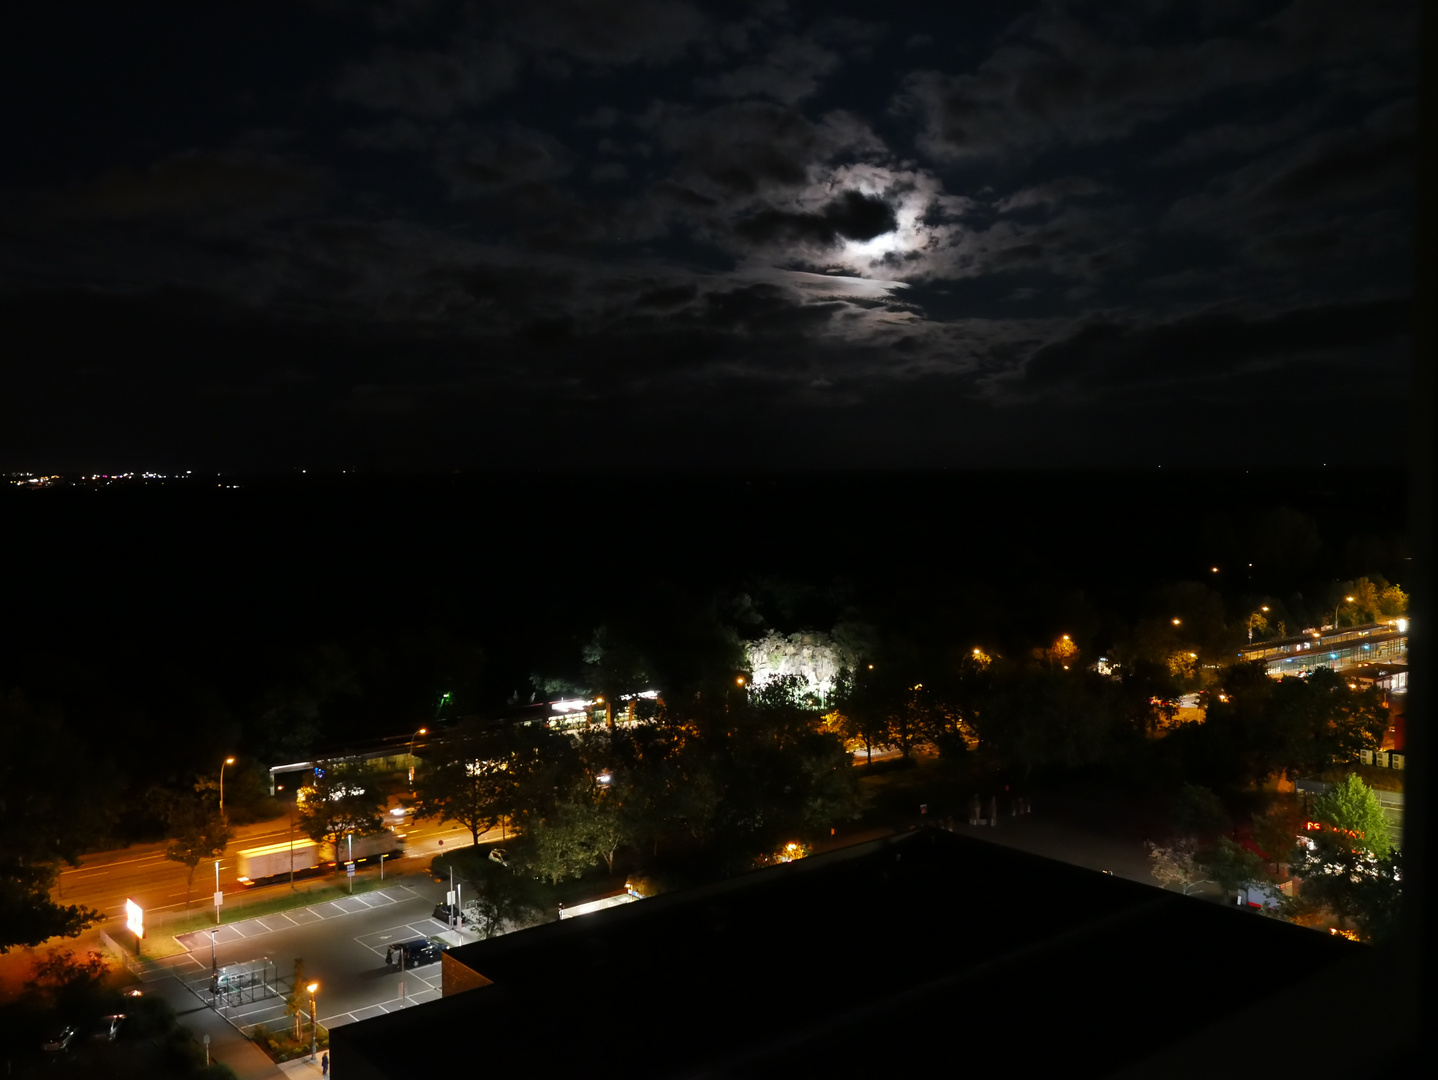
227	761
417	734
314	1020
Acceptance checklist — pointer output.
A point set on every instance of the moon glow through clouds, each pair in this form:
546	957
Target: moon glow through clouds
803	234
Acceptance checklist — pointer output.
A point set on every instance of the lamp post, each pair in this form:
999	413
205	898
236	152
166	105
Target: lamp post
418	732
314	1020
1346	599
227	761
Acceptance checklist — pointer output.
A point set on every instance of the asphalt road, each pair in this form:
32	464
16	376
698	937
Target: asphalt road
104	880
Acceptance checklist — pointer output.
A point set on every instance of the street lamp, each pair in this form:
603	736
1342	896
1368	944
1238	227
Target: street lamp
314	1020
227	761
417	734
1346	599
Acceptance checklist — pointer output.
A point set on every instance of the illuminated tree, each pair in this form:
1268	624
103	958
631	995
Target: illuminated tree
1392	601
559	846
1351	811
341	799
473	788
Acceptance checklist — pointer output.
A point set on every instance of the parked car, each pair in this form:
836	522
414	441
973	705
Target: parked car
444	913
59	1038
421	951
107	1028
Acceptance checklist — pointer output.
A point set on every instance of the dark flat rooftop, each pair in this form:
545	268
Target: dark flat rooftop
921	948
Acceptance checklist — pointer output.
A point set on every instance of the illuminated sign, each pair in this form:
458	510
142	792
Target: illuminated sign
135	918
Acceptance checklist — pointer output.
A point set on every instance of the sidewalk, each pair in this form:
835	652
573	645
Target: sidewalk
227	1045
304	1067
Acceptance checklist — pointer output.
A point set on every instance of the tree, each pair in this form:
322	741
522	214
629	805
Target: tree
1037	716
1228	865
44	824
70	984
339	800
560	846
198	832
614	667
297	1000
1175	864
1257	726
1351	811
1373	599
862	719
1198	812
1349	866
1276	832
474	789
503	901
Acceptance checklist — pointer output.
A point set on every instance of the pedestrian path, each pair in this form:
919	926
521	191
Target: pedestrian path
303	1067
224	1043
283	920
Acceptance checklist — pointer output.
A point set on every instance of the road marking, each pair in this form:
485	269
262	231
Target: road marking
93	868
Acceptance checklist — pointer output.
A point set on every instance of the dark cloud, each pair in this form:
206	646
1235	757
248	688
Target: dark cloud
791	71
607	32
1050	194
852	216
1103	352
429	83
1066	75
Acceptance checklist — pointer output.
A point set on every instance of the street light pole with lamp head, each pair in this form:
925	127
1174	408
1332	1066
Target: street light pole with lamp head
417	734
314	1020
227	761
1345	600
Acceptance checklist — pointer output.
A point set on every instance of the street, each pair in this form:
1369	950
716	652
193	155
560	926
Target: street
104	880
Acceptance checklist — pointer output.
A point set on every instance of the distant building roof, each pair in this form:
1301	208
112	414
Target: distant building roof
892	956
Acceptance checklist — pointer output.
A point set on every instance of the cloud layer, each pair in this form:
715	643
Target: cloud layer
786	231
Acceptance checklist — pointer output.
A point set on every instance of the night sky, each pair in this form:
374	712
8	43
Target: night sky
631	233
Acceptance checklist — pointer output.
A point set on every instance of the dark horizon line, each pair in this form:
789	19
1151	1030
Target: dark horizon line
297	472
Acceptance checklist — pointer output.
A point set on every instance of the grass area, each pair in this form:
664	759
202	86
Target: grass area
313	893
159	947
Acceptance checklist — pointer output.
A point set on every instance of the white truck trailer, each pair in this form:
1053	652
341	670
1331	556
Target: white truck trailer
363	848
273	861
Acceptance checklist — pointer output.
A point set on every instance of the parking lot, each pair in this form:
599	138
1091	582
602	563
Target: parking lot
342	945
